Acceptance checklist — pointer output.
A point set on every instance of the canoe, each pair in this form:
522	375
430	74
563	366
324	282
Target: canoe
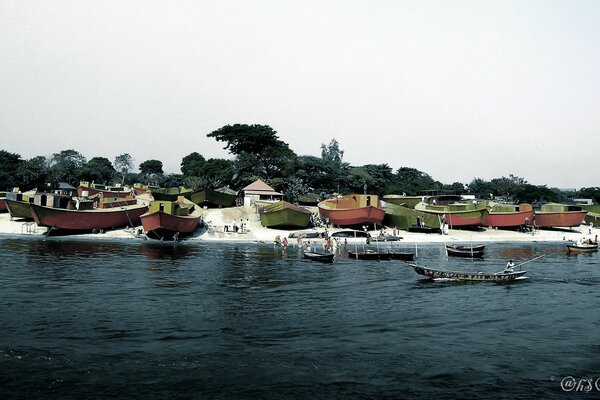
368	254
441	275
356	209
87	220
166	220
322	257
582	248
284	215
465	251
401	255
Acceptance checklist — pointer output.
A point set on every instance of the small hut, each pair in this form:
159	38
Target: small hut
260	191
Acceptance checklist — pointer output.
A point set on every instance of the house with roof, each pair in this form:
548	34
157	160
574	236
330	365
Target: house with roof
260	191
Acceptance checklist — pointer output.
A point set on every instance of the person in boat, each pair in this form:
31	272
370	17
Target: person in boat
510	265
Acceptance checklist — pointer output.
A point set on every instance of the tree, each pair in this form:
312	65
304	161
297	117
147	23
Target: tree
412	181
193	164
9	164
66	166
507	187
481	188
218	172
590	193
382	179
98	169
312	171
335	168
33	173
123	164
151	167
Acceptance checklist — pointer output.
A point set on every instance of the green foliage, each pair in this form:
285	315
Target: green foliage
193	164
66	167
590	193
33	174
99	170
528	193
313	172
9	164
252	139
124	164
151	167
336	170
412	181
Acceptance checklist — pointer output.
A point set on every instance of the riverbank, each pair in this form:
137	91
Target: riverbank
215	221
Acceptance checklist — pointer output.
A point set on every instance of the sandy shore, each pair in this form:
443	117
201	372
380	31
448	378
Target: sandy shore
216	219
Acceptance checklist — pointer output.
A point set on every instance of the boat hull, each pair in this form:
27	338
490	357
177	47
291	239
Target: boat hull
585	248
213	198
87	220
456	218
160	225
19	209
321	257
3	207
565	219
439	275
90	191
352	210
508	219
284	215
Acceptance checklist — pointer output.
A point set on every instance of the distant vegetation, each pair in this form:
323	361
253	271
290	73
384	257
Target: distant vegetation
259	153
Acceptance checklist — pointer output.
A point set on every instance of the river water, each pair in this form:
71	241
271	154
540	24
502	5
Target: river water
148	320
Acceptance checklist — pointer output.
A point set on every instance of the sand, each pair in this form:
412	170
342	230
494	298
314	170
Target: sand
216	219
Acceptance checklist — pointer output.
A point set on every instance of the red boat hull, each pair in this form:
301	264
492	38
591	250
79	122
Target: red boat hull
565	219
106	193
509	219
454	220
3	207
160	225
85	220
354	216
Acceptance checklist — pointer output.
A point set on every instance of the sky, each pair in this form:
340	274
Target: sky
456	89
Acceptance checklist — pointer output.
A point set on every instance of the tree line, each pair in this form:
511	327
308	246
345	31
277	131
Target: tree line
258	152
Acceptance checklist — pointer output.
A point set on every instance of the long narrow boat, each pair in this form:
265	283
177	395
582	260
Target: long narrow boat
88	219
284	215
556	215
355	209
368	254
456	214
401	255
87	189
465	251
441	275
214	198
166	220
509	215
582	247
322	257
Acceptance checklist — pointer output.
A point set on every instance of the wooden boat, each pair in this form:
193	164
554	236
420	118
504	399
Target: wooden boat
223	197
356	209
284	215
87	189
368	254
87	217
351	235
305	235
585	247
509	215
558	215
405	201
166	220
3	207
406	217
441	275
456	214
322	257
385	238
170	193
465	251
424	229
17	204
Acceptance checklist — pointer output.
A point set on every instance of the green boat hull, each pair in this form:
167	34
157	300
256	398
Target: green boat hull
285	215
213	198
405	218
19	209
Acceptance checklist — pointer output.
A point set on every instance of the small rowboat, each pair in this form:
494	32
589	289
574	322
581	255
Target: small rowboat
465	251
368	255
322	257
582	248
441	275
401	255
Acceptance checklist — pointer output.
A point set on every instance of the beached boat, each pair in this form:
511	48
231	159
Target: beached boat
556	215
465	251
284	215
322	257
87	189
508	215
81	215
351	236
586	247
406	218
405	201
166	220
3	207
356	209
218	198
17	204
456	214
442	275
170	193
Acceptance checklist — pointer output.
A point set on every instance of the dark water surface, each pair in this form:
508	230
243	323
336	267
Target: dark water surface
106	319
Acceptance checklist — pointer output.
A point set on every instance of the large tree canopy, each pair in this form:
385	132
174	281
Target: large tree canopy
9	163
66	166
151	167
252	139
99	170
